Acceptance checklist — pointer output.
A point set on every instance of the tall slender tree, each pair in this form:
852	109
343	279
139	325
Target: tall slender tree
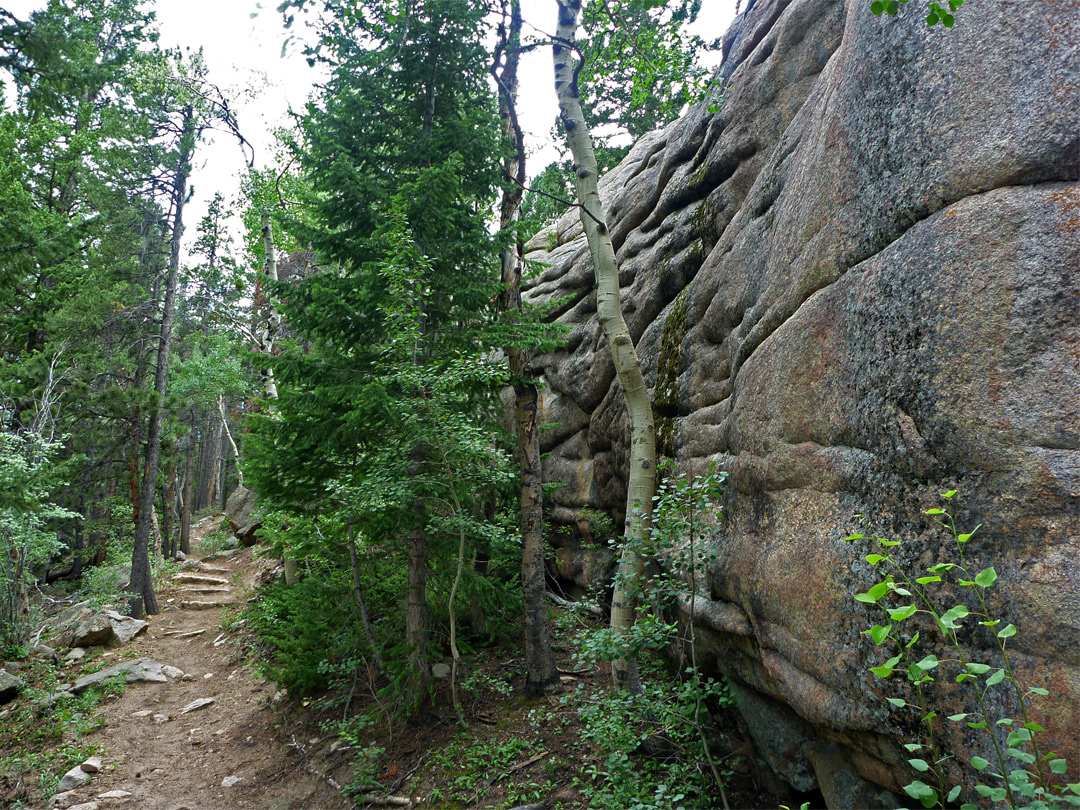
542	674
642	483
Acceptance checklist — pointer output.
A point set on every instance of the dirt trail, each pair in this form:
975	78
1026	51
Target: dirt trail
180	763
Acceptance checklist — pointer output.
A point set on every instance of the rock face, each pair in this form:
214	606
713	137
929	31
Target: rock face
243	517
855	286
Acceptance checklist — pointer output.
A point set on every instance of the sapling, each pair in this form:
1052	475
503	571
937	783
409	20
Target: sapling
1037	782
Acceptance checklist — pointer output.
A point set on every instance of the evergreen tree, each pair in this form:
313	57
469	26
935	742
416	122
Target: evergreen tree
401	151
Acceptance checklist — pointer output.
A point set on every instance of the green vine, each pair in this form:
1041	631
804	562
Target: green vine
1020	775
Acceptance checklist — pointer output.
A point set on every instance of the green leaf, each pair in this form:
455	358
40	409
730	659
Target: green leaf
935	511
1038	690
986	577
882	672
1004	721
874	559
879	590
851	537
920	765
956	718
876	8
980	764
913	747
1033	727
963	676
983	724
950	21
967	583
1007	631
950	494
901	613
978	669
928	580
996	678
1058	766
949	619
888	543
928	663
914	638
953	794
879	633
963	538
931	19
917	790
941	568
898	702
892	6
865	597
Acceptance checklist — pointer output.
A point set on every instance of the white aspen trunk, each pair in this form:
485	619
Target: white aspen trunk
269	319
232	442
642	483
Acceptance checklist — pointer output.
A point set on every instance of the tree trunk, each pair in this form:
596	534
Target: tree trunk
214	457
361	603
542	675
416	614
168	497
642	483
187	496
232	442
144	599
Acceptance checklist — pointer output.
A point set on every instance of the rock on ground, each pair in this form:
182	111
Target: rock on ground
136	670
10	686
242	513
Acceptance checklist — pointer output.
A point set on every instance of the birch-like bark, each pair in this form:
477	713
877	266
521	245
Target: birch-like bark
542	674
642	483
232	442
269	319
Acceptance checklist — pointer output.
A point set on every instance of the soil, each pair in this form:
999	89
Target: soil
180	763
271	751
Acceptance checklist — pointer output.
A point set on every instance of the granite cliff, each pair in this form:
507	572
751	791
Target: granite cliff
854	283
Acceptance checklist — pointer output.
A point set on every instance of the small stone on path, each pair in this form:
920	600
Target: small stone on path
143	713
161	718
208	676
172	672
114	794
76	654
92	765
62	798
229	781
74	778
195	705
85	806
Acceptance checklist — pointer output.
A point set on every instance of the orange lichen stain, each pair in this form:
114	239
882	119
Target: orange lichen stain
1070	208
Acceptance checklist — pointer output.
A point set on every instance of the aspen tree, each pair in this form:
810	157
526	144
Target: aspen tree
642	483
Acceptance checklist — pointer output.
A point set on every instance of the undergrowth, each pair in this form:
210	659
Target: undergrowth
42	741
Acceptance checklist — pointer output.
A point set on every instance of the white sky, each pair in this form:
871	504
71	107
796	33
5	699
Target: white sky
245	52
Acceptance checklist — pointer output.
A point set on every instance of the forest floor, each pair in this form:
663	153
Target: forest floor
252	747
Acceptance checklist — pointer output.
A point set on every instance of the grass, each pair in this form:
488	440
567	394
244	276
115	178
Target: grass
44	743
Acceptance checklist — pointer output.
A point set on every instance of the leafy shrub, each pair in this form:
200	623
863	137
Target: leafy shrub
308	633
1020	773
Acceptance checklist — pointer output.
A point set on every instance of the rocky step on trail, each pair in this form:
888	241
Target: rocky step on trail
195	727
